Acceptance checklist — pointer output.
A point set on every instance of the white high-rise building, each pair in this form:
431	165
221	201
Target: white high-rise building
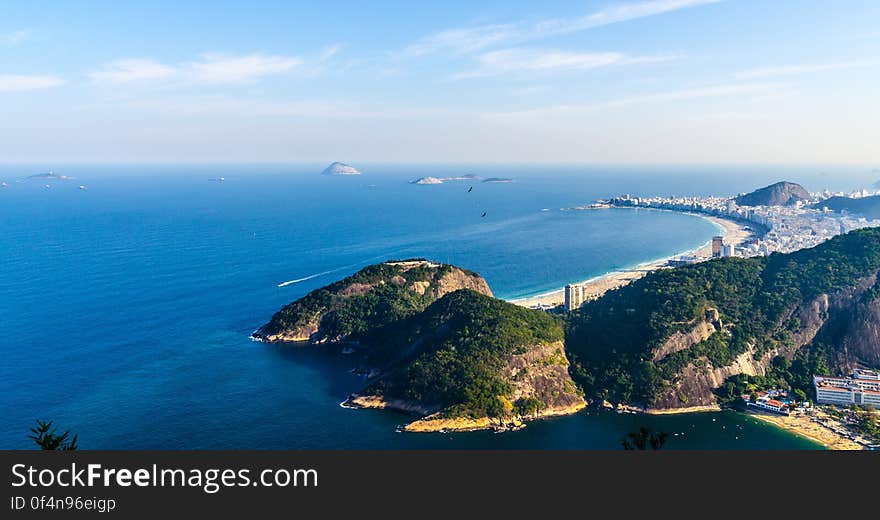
574	296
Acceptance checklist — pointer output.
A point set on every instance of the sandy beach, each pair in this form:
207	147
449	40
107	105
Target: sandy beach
734	233
803	426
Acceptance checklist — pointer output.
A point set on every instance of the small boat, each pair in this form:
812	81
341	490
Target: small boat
82	187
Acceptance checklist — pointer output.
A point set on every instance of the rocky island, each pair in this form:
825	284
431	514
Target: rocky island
441	180
438	345
339	168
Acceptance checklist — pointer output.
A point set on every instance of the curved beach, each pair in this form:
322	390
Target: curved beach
734	232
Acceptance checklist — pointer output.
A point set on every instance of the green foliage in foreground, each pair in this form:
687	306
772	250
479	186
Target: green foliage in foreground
611	340
644	439
460	345
46	436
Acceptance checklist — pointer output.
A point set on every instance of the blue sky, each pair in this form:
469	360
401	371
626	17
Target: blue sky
638	81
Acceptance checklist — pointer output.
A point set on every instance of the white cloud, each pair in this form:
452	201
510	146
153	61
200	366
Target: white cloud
529	60
465	40
792	70
239	69
126	71
472	39
210	69
12	82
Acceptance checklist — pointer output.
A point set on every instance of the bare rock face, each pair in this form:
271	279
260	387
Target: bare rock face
679	341
779	194
846	310
470	361
542	373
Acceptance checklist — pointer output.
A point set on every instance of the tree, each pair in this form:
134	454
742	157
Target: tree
800	395
643	438
46	437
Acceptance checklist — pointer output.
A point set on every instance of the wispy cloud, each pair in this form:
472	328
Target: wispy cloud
209	69
12	82
792	70
473	39
126	71
504	61
735	89
240	69
14	37
728	90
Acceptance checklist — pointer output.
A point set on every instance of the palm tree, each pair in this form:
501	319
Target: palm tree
643	438
46	437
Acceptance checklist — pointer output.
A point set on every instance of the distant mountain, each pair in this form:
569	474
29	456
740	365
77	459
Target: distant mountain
779	194
868	207
339	168
498	180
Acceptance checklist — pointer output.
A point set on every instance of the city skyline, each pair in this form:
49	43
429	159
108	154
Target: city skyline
650	81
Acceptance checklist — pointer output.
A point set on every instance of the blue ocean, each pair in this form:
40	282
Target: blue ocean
126	306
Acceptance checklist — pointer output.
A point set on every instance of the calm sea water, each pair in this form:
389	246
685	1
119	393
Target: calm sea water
125	308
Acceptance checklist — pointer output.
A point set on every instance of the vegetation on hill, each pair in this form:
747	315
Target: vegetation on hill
373	297
612	340
455	356
866	206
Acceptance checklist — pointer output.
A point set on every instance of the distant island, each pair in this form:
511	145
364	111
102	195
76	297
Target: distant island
868	207
441	180
500	180
779	194
50	176
338	168
427	180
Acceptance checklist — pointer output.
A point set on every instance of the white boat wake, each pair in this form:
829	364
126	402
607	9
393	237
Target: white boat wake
298	280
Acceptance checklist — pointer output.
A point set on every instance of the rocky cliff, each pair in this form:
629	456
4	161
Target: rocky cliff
669	340
779	194
474	362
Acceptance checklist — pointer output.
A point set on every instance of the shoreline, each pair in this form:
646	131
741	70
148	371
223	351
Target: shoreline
734	233
804	427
